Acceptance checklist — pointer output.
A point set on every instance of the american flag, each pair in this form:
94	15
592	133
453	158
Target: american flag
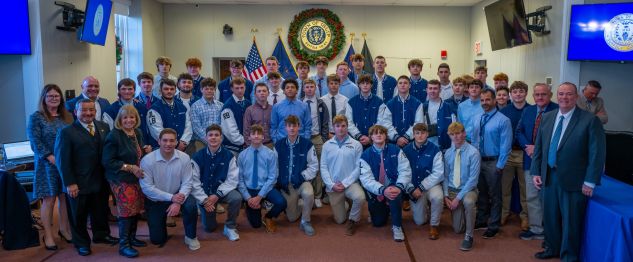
254	68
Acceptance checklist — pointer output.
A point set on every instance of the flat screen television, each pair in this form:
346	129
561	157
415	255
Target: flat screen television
601	32
507	24
97	18
15	31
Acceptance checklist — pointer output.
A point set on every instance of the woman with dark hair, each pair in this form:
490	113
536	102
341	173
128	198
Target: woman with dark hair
122	154
43	125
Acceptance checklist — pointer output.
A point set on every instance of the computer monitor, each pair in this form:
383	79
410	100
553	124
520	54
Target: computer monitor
96	21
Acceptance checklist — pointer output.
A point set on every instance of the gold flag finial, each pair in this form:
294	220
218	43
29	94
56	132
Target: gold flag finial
364	35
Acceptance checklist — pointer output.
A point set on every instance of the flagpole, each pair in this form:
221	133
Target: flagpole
254	30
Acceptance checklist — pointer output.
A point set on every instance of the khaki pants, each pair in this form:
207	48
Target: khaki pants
464	215
420	208
317	182
514	167
337	201
292	198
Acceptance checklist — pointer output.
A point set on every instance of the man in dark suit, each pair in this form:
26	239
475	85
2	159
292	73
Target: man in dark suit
78	150
89	90
569	156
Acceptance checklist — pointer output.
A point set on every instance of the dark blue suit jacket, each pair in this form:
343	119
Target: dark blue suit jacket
70	104
581	153
523	132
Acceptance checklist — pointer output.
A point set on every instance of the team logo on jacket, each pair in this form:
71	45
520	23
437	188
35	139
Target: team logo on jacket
619	33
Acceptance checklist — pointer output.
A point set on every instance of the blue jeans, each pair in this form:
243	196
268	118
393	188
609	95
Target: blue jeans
379	211
255	215
157	219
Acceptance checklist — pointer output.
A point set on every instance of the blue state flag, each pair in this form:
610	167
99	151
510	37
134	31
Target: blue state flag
349	54
286	68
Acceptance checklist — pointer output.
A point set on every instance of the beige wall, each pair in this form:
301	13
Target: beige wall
398	33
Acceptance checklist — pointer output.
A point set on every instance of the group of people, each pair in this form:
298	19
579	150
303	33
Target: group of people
186	144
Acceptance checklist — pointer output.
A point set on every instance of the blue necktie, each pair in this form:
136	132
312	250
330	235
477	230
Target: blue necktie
482	127
255	176
553	147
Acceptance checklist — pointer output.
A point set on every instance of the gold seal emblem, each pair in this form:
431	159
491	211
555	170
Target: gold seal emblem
619	33
315	35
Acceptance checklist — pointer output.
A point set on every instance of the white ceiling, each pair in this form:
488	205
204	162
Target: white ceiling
332	2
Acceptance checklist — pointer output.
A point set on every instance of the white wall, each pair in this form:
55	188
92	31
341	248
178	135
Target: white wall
547	57
398	33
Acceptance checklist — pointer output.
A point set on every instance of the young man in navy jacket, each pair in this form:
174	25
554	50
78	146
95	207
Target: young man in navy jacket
298	165
385	174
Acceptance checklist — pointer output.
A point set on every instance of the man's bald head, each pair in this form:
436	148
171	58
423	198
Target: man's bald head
90	87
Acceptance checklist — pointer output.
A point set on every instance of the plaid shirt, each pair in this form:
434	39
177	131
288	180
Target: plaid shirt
203	114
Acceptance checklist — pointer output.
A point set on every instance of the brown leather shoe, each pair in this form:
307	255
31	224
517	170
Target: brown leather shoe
434	233
350	227
270	225
525	225
406	205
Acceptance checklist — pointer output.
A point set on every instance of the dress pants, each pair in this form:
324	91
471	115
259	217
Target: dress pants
464	215
317	182
93	205
292	198
355	193
420	207
489	200
234	201
514	167
157	219
379	211
254	216
534	202
563	218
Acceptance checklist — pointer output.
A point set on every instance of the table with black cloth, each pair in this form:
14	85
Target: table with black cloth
608	231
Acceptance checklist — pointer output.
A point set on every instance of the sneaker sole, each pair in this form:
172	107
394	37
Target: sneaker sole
465	249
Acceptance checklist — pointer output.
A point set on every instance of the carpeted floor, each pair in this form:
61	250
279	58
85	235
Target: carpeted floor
290	244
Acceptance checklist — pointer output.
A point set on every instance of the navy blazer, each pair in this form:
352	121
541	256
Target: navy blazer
581	153
78	158
70	104
523	132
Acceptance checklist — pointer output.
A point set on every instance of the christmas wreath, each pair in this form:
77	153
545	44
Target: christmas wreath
335	26
119	50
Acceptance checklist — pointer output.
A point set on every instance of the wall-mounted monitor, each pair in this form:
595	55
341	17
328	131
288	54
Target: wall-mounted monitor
601	32
507	24
97	18
15	28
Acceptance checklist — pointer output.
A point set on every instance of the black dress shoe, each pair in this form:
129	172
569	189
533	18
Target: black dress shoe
84	251
64	238
546	254
137	243
51	248
106	240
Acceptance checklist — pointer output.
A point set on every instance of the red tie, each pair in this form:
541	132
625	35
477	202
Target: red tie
536	125
381	176
148	103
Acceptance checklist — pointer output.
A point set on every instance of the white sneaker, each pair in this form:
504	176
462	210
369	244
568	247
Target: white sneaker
398	235
192	243
317	203
219	209
231	234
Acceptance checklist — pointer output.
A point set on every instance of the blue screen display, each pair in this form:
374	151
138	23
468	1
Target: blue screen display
15	32
95	28
601	32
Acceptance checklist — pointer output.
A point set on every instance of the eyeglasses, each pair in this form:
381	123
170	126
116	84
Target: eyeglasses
52	96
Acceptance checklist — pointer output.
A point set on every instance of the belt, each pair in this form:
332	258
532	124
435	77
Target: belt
489	158
516	148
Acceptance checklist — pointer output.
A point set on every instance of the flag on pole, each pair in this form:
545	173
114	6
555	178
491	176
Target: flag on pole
369	68
350	52
254	68
286	69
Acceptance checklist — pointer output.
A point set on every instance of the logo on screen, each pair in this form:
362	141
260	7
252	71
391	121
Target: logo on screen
98	21
619	33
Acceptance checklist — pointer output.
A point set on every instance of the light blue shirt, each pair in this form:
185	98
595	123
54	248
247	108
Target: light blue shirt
282	110
348	89
497	136
203	114
469	169
266	170
466	112
322	89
